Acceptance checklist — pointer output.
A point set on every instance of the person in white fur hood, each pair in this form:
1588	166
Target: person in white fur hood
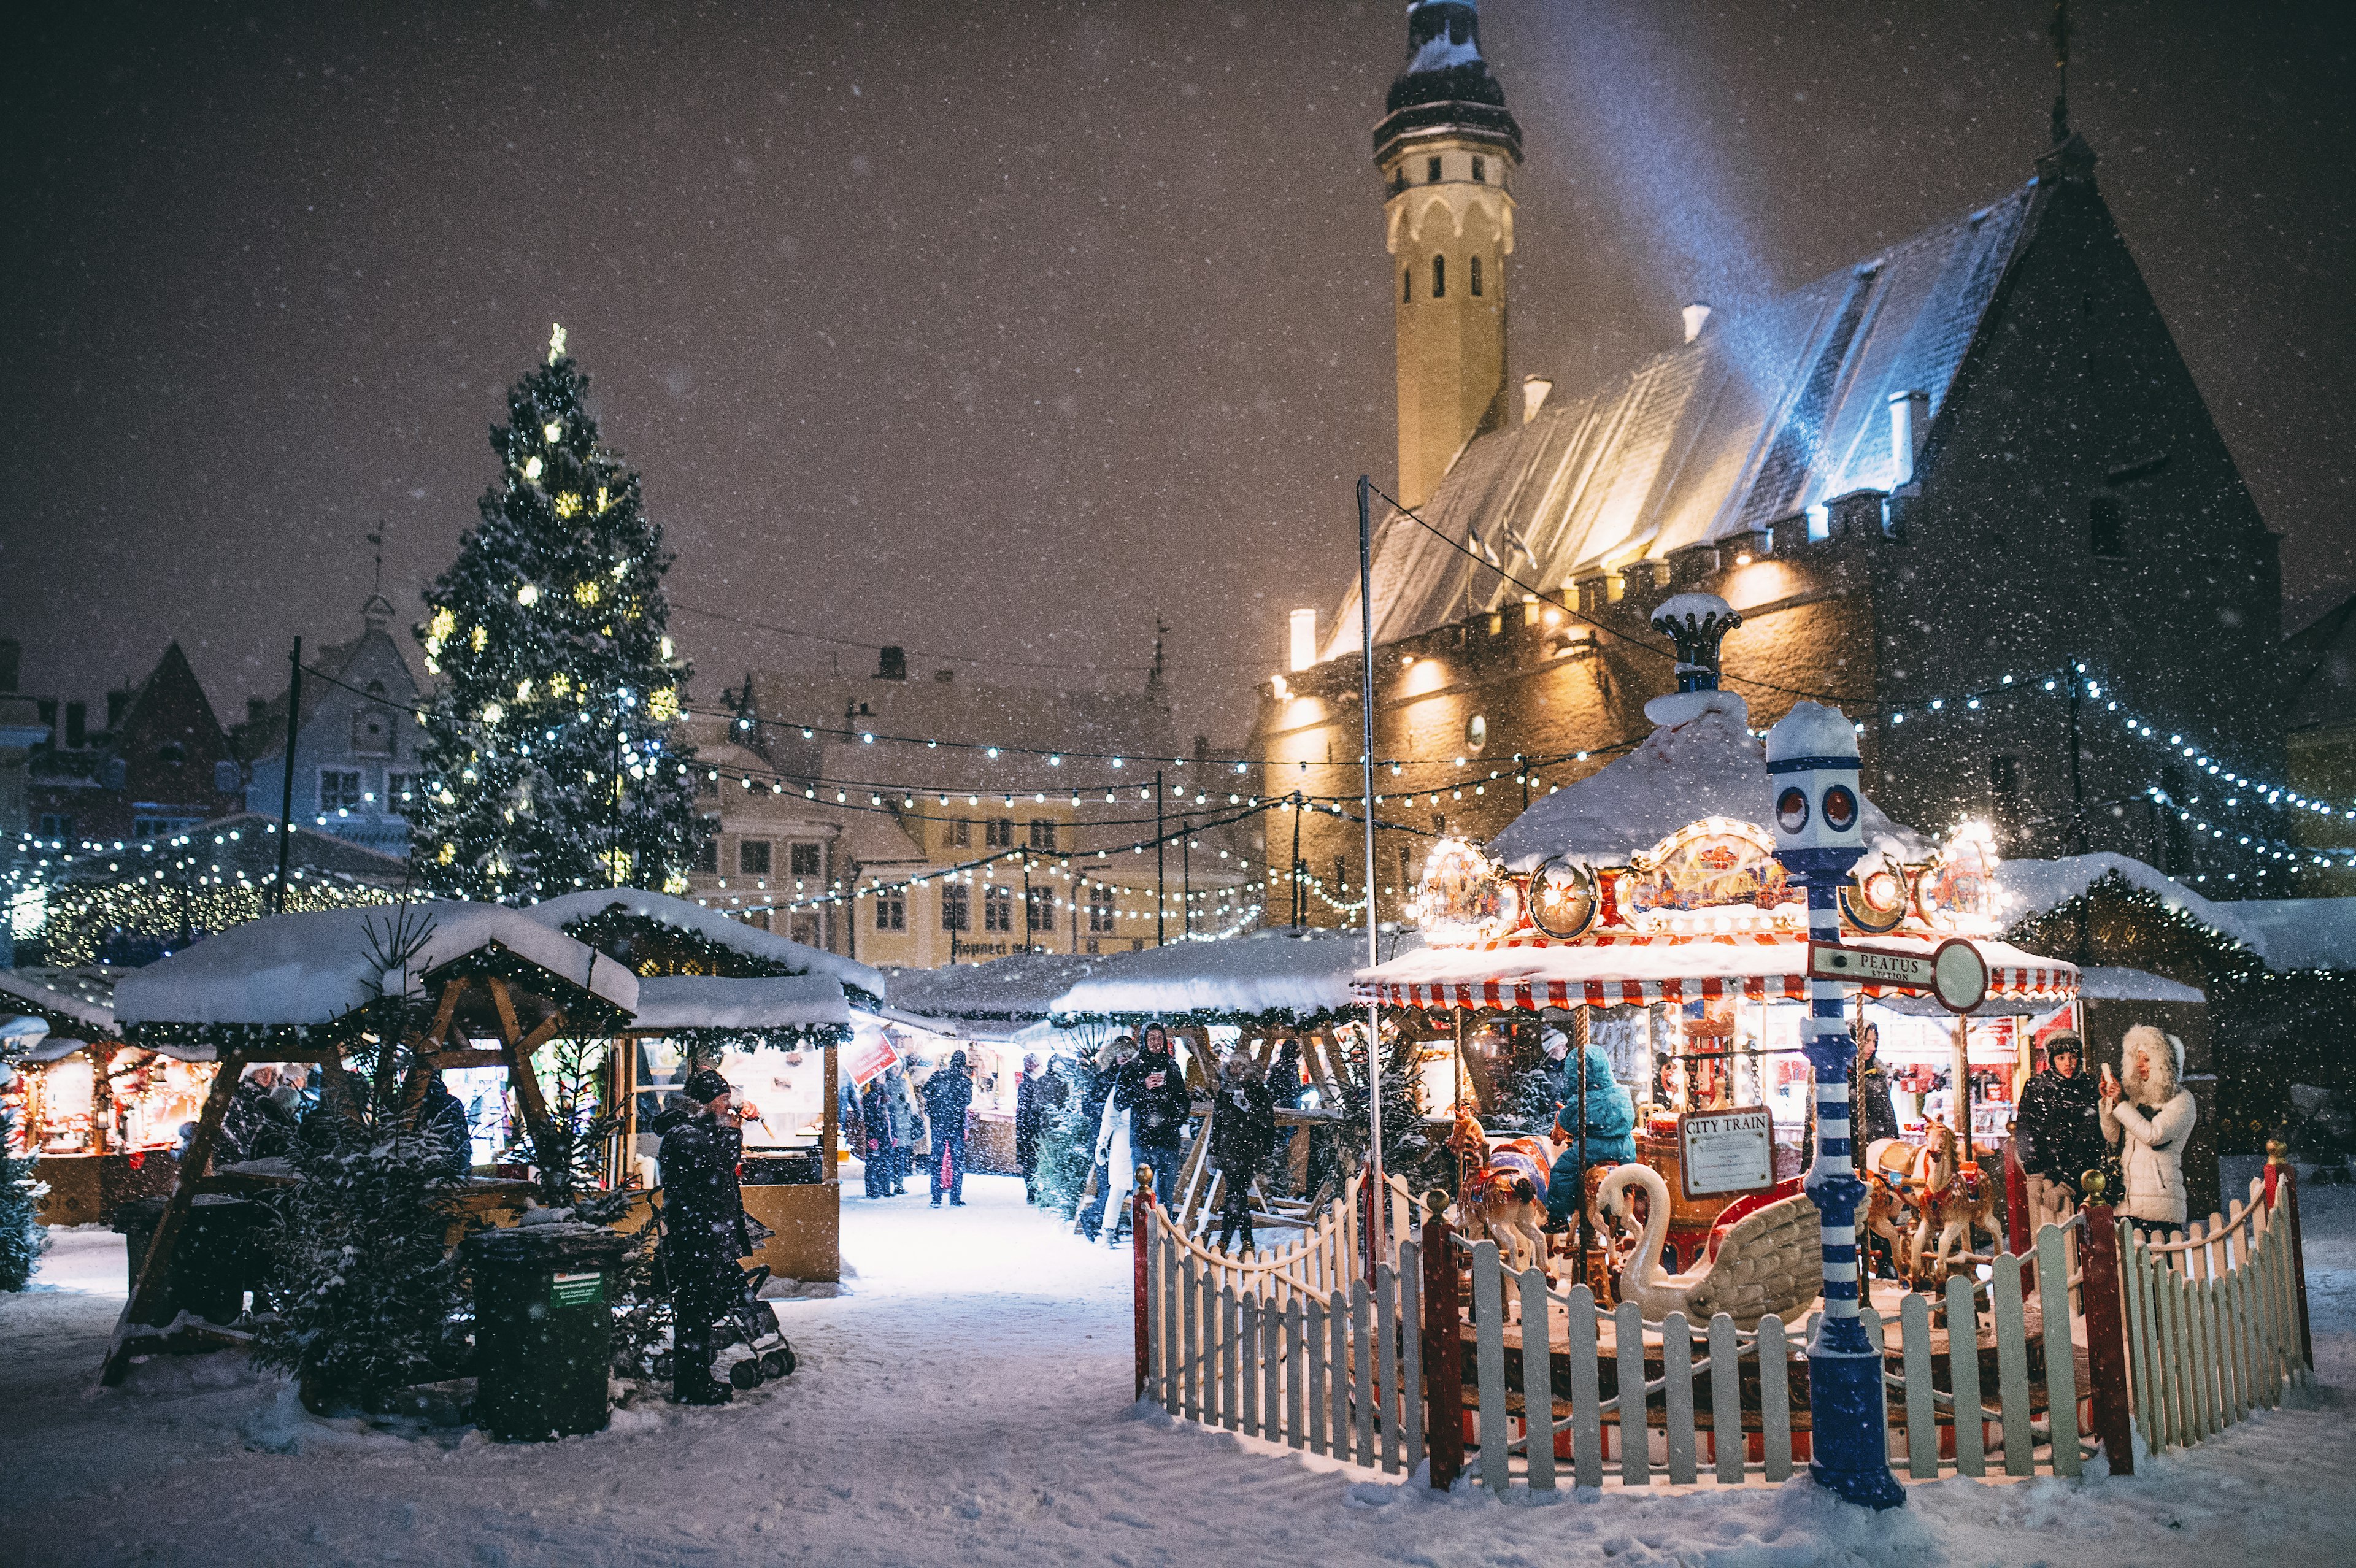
2147	1115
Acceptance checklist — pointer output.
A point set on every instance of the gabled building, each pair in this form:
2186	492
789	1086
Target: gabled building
356	743
1934	483
162	765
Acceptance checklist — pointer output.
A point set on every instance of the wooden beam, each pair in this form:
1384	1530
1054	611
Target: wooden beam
501	998
529	1099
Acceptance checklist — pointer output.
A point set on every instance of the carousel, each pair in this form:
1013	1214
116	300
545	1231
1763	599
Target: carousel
1646	909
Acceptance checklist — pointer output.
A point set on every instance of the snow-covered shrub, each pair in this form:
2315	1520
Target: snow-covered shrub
23	1238
370	1297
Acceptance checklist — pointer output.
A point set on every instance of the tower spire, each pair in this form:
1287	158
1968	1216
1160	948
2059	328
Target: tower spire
1447	146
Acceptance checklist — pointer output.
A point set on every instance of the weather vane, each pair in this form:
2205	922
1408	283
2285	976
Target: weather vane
555	342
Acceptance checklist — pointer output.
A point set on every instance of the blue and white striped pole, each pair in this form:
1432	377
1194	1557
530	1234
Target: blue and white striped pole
1812	767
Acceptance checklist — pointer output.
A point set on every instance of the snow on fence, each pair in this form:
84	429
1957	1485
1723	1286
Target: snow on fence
1310	1347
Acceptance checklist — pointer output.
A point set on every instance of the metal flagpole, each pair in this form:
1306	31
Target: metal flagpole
1376	1233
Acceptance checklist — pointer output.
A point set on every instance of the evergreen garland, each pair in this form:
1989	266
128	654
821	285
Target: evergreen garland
1067	1145
23	1238
551	762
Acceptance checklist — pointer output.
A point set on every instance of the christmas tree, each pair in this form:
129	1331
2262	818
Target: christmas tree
551	759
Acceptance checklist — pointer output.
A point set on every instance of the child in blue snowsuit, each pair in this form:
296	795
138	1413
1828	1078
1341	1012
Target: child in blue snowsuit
1611	1126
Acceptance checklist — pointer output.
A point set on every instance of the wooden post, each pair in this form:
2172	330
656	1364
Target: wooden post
2106	1357
2017	1226
2298	1263
1141	1243
829	1124
1444	1358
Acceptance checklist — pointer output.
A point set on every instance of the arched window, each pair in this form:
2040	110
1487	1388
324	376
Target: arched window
1439	277
1406	286
1476	277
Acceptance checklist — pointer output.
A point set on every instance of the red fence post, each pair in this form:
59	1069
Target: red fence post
2106	1353
1444	1358
2018	1234
1140	1226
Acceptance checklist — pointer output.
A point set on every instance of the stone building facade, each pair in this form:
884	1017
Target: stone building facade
1934	483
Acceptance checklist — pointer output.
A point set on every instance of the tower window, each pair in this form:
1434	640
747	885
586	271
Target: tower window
1480	169
2105	527
1476	277
1406	286
1439	277
1432	171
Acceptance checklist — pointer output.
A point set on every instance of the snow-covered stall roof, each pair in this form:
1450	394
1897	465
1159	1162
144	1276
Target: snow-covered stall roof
1617	971
1024	985
24	992
2287	933
671	1002
1709	765
2294	933
1304	974
712	925
301	970
2101	983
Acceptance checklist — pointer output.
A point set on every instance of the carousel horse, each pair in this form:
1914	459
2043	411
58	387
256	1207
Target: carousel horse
1504	1197
1956	1200
1770	1260
1890	1182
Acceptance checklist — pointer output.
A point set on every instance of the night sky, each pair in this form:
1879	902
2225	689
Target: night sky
993	329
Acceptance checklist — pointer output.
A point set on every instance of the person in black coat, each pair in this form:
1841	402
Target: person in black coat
256	1126
1243	1132
2058	1134
949	1095
703	1227
443	1127
1153	1089
1037	1096
882	1148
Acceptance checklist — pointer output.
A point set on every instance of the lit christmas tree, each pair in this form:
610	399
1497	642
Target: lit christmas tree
552	757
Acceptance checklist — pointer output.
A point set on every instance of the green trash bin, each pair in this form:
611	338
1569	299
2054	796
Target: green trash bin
215	1262
543	1329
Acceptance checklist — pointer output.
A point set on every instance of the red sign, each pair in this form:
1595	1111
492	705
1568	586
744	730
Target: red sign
869	1057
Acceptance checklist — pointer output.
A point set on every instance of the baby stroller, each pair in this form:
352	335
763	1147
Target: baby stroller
753	1323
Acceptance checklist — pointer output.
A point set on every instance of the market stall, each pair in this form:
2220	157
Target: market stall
102	1120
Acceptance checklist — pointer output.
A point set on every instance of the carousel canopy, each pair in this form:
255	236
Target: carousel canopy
1306	974
1710	764
712	926
1611	971
300	970
678	1002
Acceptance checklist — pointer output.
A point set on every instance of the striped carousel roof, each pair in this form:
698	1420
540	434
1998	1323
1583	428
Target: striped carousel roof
1629	970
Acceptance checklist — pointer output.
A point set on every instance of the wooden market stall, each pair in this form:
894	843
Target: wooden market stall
771	1014
102	1119
462	985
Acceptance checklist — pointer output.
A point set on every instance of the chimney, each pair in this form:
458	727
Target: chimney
891	664
9	652
1910	426
1697	314
76	725
1302	649
1533	396
118	702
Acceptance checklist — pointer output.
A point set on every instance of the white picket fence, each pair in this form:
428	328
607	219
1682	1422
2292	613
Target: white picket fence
1294	1344
2087	1334
2215	1320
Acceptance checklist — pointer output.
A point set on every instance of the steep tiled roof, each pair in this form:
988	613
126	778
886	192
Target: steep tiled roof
1774	408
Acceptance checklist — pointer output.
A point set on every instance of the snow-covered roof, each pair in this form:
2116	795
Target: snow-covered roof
299	970
1304	974
1019	985
712	925
705	1002
2296	933
23	992
2099	983
2287	933
1710	766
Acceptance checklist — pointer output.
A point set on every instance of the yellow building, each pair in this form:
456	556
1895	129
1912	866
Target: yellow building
912	824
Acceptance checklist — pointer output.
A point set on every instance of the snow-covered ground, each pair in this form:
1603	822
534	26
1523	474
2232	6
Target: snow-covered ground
965	1402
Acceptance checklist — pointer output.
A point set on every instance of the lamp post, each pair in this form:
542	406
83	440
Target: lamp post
1812	771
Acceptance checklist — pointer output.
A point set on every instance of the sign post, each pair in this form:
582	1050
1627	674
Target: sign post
1812	768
